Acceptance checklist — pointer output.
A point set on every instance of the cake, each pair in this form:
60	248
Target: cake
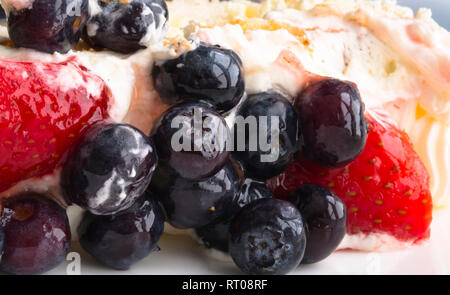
124	57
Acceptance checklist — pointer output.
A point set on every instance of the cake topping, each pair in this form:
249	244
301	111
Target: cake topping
109	168
325	218
332	122
270	141
120	240
267	237
126	26
191	139
208	73
44	108
37	235
385	188
46	26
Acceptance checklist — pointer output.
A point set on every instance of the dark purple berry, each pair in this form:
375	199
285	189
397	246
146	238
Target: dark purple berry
261	111
127	26
109	168
48	25
192	204
325	218
207	74
267	238
37	235
216	235
122	239
332	122
192	139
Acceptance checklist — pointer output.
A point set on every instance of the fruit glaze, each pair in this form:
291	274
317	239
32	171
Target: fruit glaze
90	91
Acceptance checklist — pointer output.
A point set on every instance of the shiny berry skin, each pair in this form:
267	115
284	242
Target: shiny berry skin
37	235
267	237
192	204
265	162
191	139
48	27
109	168
57	103
127	26
332	122
325	218
216	235
122	239
208	74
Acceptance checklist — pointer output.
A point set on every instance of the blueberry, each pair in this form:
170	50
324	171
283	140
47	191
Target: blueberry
191	139
37	235
48	25
127	26
122	239
216	235
325	218
208	73
260	111
332	122
109	168
192	204
267	237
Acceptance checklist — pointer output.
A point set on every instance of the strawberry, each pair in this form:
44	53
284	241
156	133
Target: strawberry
385	189
44	107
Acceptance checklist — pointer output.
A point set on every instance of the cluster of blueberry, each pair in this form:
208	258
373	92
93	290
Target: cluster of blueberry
223	195
130	183
57	26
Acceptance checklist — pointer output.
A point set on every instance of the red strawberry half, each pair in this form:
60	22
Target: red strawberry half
44	107
385	189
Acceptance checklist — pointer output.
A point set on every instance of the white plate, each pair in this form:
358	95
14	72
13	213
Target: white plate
182	255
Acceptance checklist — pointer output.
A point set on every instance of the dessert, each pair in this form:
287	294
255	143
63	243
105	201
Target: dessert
102	109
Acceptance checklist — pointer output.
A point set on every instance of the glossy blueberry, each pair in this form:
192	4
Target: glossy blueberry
216	235
122	239
36	235
191	139
192	204
127	26
332	122
109	168
267	238
261	155
325	218
208	73
48	25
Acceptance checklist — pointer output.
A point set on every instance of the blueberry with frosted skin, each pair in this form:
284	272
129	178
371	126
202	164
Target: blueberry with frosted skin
36	235
126	26
109	168
191	138
48	25
122	239
267	237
